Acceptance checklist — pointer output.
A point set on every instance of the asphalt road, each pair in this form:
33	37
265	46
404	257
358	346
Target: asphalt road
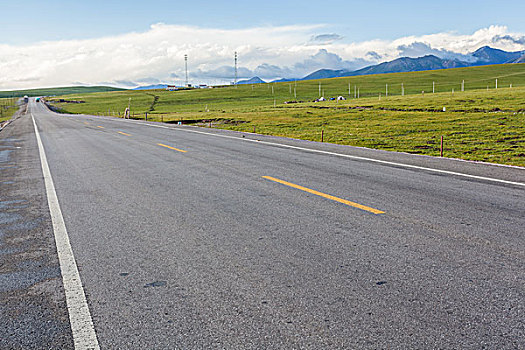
224	240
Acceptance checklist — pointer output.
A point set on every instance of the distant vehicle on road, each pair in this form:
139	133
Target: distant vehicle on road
26	99
38	99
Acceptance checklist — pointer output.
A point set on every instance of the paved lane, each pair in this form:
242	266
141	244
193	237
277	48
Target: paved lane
184	240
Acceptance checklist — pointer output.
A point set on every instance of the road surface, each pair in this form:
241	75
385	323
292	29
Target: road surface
194	238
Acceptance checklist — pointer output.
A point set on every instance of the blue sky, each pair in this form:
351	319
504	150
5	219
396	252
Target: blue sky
30	20
131	43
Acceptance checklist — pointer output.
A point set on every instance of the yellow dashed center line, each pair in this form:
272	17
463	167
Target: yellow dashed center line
173	148
98	126
123	133
86	123
324	195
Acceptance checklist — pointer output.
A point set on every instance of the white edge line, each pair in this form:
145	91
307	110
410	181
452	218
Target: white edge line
341	155
84	336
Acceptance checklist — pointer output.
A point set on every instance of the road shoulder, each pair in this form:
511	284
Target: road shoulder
32	303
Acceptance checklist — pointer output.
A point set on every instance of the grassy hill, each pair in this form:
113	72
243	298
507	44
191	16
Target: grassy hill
57	91
482	123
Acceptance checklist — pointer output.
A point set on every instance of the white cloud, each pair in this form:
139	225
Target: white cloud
270	52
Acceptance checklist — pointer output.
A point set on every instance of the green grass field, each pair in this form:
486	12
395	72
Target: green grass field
7	108
478	124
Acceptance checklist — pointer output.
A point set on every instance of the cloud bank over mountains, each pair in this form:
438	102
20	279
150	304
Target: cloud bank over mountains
157	55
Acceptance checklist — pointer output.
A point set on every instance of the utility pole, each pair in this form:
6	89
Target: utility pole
463	86
186	68
235	81
319	89
402	89
386	91
433	87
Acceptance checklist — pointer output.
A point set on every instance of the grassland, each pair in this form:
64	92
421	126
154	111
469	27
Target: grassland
8	107
482	123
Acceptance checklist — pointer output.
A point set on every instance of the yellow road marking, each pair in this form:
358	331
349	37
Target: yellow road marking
123	133
98	126
173	148
340	200
86	123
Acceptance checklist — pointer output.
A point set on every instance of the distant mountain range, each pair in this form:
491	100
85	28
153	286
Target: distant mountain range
488	55
152	87
483	56
254	80
520	60
283	80
406	64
